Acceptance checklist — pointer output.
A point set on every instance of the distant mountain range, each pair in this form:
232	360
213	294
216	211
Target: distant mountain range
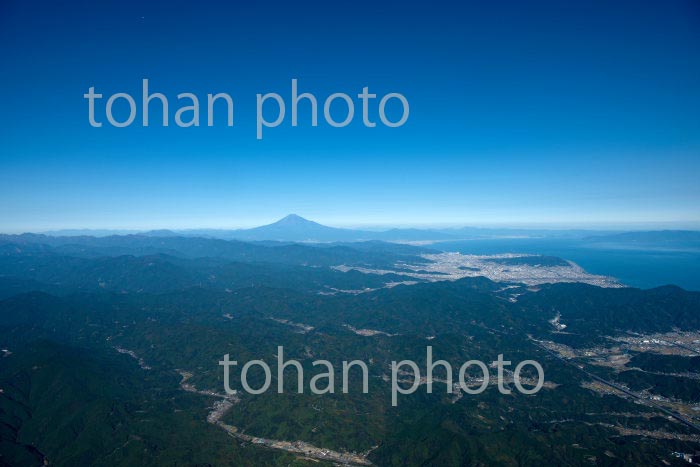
294	228
667	238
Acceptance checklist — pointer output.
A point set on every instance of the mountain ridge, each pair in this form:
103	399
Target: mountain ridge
295	228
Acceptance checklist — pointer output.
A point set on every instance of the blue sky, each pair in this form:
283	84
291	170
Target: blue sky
522	113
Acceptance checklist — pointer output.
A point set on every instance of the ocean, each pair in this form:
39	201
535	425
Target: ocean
636	267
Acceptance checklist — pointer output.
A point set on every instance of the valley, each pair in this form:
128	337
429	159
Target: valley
139	324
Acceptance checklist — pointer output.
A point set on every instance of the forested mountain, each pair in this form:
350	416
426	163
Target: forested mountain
106	342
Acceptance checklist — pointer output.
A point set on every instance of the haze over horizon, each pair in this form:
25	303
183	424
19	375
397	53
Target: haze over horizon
293	219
